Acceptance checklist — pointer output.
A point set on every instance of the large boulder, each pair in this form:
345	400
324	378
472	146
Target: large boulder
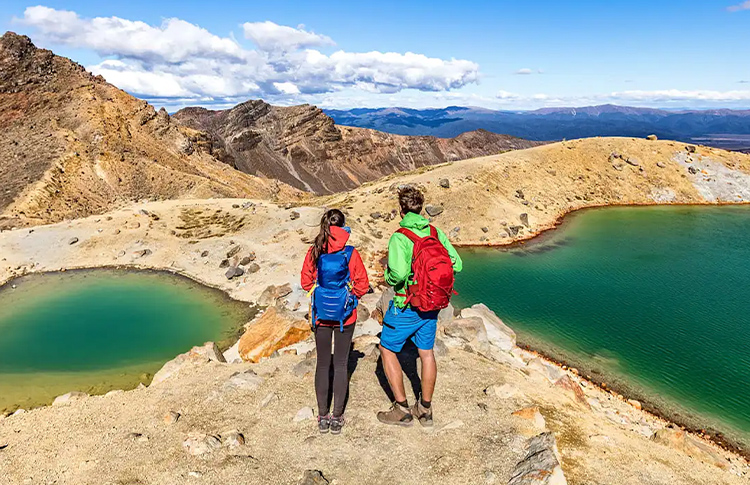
541	465
467	329
274	330
498	334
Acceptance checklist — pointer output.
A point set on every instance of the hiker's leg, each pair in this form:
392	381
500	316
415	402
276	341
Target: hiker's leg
424	339
322	369
341	347
393	372
429	373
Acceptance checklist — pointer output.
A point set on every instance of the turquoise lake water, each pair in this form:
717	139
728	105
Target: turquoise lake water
98	330
652	300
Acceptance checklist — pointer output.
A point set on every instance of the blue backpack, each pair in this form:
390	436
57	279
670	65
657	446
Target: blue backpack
332	298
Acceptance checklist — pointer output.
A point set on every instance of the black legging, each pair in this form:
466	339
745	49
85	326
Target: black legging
341	346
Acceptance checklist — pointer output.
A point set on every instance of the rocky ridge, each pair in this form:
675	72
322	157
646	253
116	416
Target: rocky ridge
301	146
72	145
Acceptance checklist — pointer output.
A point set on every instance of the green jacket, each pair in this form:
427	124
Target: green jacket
398	271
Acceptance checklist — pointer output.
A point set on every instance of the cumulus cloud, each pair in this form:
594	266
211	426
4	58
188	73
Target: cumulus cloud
524	72
269	36
182	60
739	7
677	95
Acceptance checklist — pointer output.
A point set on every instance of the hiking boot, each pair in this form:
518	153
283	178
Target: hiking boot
324	423
398	416
336	424
423	414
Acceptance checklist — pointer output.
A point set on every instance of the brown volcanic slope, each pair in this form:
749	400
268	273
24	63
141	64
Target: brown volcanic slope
71	145
302	146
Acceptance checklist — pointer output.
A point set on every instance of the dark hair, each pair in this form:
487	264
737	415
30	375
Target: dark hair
410	199
332	217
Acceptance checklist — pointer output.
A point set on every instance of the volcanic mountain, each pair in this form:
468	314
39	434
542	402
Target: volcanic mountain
72	144
301	146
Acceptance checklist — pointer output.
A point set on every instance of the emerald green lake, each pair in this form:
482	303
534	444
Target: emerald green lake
652	300
98	330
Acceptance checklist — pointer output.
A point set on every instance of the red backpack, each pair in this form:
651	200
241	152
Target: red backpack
432	273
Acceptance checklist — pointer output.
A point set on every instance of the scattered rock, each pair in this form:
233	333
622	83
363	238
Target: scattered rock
243	381
248	205
69	397
171	417
294	215
143	253
532	415
680	440
209	350
197	355
565	382
524	218
72	240
661	164
433	210
520	194
253	268
234	272
273	293
268	400
541	465
304	414
247	259
633	162
690	148
234	251
692	170
198	444
652	138
444	183
224	263
313	477
137	437
274	330
232	439
636	404
204	254
485	229
376	215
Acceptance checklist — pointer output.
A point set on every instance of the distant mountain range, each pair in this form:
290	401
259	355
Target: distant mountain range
729	129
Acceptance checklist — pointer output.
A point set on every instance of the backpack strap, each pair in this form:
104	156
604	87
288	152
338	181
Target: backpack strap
409	233
433	232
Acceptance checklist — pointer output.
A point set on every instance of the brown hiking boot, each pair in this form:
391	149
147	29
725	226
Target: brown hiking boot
423	414
398	416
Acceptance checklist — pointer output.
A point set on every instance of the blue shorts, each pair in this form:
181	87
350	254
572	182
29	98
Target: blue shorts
402	324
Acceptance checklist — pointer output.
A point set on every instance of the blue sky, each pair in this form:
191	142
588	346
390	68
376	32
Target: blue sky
506	55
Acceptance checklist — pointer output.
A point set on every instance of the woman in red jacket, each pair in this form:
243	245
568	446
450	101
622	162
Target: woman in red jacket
332	238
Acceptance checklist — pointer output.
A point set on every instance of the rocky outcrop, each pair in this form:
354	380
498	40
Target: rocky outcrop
301	146
72	145
273	330
541	465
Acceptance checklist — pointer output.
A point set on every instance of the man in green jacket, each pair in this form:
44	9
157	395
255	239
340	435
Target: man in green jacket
401	322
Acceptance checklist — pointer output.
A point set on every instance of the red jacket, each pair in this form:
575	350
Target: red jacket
361	283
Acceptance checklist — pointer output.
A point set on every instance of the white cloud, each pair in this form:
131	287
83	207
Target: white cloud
173	41
740	7
182	60
524	72
287	88
269	36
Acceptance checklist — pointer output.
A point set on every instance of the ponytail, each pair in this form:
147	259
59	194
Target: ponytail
332	217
